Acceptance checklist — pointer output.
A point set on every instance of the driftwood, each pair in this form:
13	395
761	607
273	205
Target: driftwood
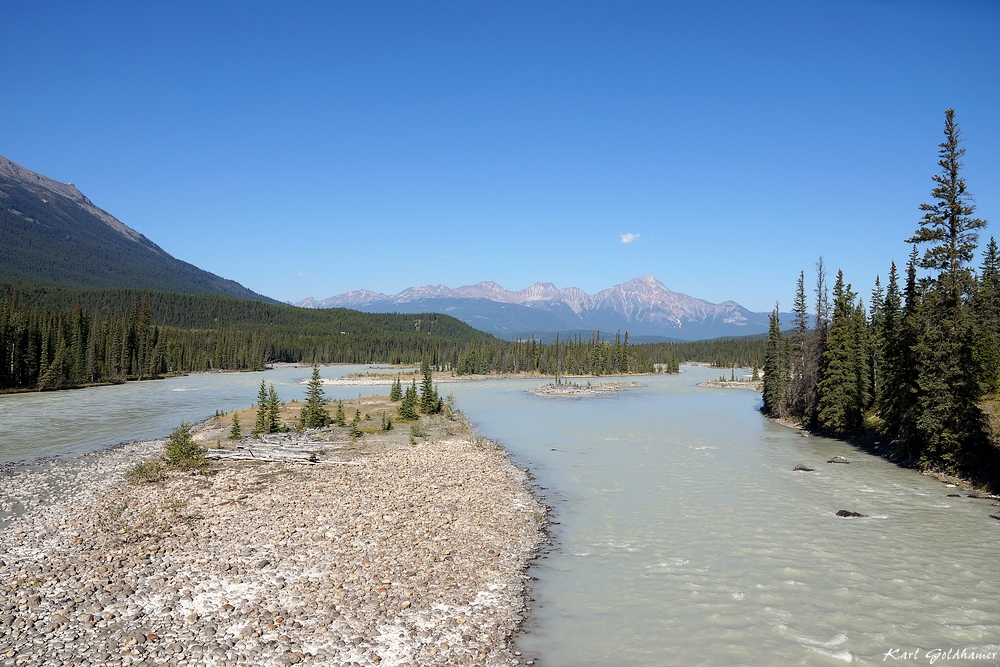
262	453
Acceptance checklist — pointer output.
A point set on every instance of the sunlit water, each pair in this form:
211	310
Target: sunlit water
683	537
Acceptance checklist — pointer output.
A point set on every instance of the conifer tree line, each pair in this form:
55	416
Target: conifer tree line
913	367
47	344
574	356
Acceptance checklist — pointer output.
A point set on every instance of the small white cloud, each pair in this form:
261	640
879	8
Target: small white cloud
301	274
628	238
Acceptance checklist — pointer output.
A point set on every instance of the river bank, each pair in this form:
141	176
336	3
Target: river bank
395	549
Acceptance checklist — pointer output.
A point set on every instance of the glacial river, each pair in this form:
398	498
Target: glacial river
683	535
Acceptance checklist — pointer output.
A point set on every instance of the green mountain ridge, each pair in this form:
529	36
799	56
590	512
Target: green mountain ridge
52	234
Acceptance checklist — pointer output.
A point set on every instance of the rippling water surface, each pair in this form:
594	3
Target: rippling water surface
684	536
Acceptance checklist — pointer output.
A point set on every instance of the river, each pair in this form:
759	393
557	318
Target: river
683	535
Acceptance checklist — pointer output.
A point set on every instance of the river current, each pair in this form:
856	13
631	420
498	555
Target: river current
683	535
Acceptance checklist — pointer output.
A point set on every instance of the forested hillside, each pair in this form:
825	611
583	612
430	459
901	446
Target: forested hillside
918	369
56	338
51	234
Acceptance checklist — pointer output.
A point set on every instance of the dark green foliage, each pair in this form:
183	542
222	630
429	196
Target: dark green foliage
948	228
949	426
841	407
396	393
53	338
775	369
408	407
747	352
430	402
355	428
986	308
576	356
273	412
234	430
386	425
262	423
920	364
181	451
340	419
314	413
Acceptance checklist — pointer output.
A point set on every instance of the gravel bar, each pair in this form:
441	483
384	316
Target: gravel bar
410	555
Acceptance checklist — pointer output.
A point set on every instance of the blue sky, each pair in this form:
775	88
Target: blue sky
310	149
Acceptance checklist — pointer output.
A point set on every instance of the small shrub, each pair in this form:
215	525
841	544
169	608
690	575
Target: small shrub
144	472
182	451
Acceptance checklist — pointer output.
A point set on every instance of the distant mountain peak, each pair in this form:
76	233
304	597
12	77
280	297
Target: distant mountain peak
640	305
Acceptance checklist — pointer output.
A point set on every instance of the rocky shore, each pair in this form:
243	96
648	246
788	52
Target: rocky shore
393	549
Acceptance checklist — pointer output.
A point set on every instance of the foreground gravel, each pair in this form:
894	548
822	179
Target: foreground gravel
404	555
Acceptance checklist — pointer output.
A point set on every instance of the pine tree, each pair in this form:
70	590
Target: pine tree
234	430
408	407
839	408
314	413
775	374
875	343
354	431
396	393
273	412
340	419
895	359
950	427
262	421
429	402
799	344
986	306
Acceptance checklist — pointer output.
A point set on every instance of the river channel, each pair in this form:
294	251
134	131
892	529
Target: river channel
683	535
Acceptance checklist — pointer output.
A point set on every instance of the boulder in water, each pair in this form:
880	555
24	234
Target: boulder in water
802	468
838	459
849	513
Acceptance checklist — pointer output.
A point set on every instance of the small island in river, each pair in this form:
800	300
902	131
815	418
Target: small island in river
573	390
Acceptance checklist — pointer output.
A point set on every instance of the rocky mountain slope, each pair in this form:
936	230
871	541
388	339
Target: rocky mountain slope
52	234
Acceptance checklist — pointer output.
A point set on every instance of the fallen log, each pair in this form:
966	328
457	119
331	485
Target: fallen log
262	454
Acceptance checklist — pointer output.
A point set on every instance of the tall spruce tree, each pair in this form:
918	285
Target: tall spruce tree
799	345
950	427
430	403
986	306
262	421
314	413
396	393
273	411
775	369
875	331
896	363
408	406
839	408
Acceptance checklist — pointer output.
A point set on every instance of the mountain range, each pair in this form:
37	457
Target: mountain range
644	307
52	234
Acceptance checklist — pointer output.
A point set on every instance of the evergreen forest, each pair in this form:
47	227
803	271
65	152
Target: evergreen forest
916	371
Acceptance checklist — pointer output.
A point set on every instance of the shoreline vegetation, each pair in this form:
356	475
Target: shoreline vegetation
407	545
916	372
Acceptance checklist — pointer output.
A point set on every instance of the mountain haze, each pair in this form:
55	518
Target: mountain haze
52	234
642	306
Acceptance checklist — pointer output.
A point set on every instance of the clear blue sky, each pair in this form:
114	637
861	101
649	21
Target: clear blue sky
309	149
